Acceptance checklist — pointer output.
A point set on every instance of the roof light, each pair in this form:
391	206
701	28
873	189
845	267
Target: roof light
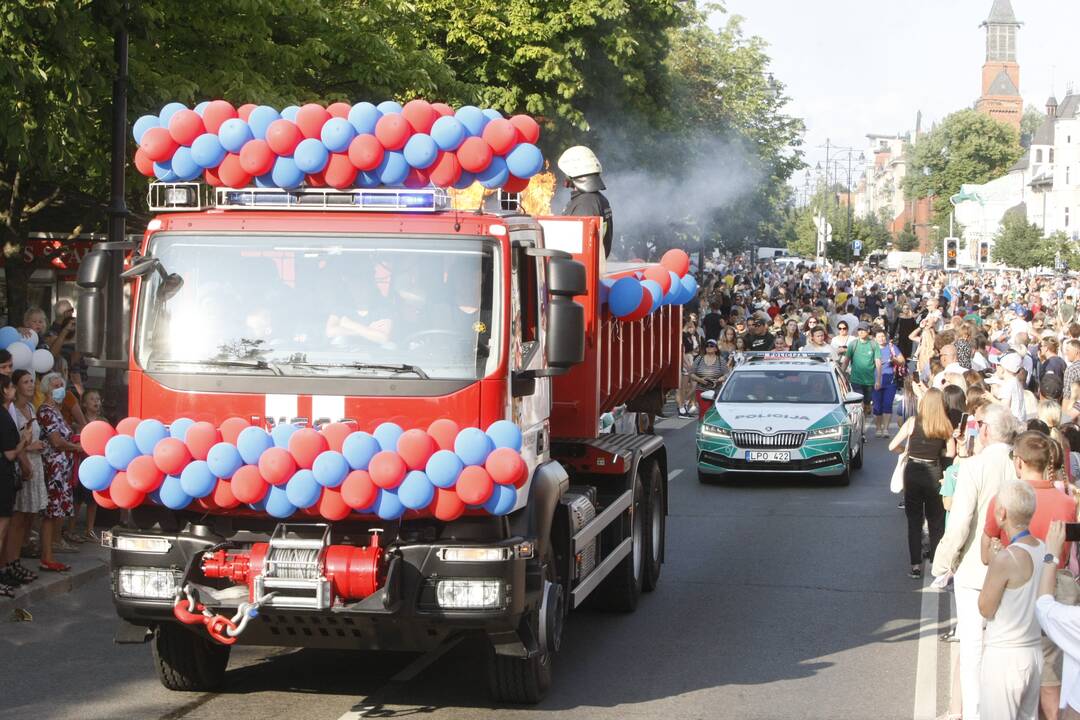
377	200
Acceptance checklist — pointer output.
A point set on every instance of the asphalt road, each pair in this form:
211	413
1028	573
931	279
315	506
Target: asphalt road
778	600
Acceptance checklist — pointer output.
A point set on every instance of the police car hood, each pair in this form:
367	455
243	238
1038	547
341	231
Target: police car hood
776	417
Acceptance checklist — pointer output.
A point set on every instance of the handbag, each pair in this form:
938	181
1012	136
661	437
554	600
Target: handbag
896	484
899	364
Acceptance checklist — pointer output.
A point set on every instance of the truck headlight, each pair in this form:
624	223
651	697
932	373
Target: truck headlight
463	594
136	543
715	431
836	432
474	554
154	583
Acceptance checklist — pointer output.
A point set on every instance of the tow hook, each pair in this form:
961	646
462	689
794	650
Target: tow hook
222	629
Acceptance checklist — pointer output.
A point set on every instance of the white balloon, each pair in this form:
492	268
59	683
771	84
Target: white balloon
42	361
32	341
21	356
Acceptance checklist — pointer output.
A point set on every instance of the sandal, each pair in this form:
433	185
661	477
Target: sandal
54	566
22	572
7	591
7	577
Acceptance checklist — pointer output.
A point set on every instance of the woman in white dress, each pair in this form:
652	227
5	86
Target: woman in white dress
32	496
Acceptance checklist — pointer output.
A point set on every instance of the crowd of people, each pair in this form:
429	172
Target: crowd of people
40	498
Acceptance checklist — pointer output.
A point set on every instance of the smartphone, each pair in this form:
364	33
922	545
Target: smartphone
971	432
1072	531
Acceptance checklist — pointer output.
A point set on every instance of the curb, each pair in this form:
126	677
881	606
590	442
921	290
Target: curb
52	584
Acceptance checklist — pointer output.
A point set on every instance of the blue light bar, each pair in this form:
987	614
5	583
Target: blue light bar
425	200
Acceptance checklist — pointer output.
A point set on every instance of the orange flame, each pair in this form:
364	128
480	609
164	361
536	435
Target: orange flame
537	196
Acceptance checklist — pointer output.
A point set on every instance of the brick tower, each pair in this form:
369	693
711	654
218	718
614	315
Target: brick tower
1000	97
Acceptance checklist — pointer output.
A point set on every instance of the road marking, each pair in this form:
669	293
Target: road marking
926	670
373	704
674	474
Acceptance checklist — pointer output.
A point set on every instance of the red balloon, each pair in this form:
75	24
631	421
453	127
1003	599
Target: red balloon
206	504
677	261
256	157
474	154
523	477
94	436
144	475
244	111
223	495
358	491
393	131
415	447
185	126
339	109
659	274
365	152
387	469
276	465
248	484
231	172
310	119
101	497
500	135
504	465
210	175
446	171
335	434
515	184
332	506
232	427
200	438
283	136
123	494
447	505
158	144
305	445
340	173
143	163
528	129
416	179
474	486
171	455
442	108
420	115
643	309
444	431
217	112
315	179
127	426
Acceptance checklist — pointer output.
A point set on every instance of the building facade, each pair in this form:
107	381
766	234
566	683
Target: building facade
1000	98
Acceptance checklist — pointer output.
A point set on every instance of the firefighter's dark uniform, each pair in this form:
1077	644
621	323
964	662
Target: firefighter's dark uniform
592	204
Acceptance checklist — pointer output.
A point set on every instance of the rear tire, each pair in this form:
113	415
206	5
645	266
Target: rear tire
621	589
655	527
186	661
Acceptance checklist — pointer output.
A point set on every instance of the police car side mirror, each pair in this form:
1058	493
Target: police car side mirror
709	395
852	398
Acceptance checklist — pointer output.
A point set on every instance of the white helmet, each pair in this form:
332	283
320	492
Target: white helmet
579	160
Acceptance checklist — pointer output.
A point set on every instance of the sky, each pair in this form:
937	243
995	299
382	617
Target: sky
854	67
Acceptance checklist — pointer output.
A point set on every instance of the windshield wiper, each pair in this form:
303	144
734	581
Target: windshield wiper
390	368
255	364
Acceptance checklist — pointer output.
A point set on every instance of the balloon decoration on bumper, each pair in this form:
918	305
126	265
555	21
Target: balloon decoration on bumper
340	146
669	282
330	472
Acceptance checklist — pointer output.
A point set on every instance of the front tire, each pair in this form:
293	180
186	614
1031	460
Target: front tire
187	661
525	681
857	458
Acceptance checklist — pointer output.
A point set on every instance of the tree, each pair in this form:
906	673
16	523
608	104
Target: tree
1031	122
1020	244
906	240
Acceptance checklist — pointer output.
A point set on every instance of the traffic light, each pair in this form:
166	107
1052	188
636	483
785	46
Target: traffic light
984	253
952	247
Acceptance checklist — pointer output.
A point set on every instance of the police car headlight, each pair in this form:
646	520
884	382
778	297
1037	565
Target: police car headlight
715	431
836	432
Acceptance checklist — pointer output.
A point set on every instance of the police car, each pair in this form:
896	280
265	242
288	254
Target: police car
783	413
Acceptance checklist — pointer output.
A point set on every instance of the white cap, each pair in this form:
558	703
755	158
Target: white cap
1012	362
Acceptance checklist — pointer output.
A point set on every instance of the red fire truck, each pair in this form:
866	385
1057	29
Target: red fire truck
313	306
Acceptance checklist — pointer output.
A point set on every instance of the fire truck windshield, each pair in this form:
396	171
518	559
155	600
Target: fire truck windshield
317	305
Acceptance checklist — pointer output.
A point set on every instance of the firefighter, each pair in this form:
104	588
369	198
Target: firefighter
582	171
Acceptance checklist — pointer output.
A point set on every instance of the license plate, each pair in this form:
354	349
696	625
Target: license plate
768	456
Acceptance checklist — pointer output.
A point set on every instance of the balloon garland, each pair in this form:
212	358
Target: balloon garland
342	145
667	283
329	472
25	353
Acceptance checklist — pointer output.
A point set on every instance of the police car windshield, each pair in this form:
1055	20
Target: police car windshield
321	306
789	386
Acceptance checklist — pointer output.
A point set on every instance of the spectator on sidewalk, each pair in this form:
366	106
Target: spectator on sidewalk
57	458
33	496
11	443
1060	621
978	481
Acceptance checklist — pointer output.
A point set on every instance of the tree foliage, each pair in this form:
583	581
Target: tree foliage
1020	244
1031	121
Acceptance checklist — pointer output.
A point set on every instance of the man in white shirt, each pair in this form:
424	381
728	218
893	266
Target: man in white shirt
1060	622
817	344
977	482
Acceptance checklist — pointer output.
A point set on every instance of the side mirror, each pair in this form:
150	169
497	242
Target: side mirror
853	398
90	327
709	395
566	319
566	278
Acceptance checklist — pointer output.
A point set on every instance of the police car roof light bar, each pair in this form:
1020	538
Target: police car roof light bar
773	355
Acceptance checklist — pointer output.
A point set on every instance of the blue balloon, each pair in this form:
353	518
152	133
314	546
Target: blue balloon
358	449
9	335
673	288
282	433
302	490
466	180
95	473
172	494
444	468
525	160
207	151
179	427
163	172
389	106
289	113
472	118
492	114
502	500
286	174
201	107
148	434
421	151
416	492
625	296
494	175
168	111
367	179
505	434
393	169
197	480
277	502
120	451
311	156
261	504
259	120
234	133
337	133
184	165
605	289
388	505
330	468
690	284
265	181
387	434
155	496
657	293
448	133
363	117
678	294
142	125
473	446
224	460
251	443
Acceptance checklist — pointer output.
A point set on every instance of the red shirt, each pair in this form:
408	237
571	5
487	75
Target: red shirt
1050	504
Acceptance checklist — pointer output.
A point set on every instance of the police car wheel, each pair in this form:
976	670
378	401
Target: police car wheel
857	458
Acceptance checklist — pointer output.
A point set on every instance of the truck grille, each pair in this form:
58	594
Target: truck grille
754	440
